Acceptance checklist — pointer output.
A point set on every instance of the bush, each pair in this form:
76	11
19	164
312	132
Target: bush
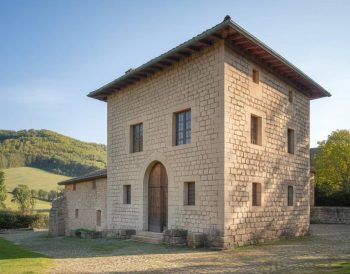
13	220
323	197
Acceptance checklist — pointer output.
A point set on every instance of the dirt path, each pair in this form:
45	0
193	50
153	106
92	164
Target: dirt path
327	246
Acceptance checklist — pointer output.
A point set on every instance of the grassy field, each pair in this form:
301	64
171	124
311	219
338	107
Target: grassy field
35	179
15	259
32	177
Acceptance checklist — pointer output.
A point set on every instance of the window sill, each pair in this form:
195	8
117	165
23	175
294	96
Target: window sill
183	146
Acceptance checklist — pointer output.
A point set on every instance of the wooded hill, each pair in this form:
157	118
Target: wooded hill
50	151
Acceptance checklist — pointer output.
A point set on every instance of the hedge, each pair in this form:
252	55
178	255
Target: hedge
13	220
325	198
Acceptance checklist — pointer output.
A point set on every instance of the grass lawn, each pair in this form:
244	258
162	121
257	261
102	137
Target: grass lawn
15	259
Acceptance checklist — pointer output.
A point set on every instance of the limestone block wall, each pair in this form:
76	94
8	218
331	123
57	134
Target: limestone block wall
57	217
330	215
269	164
195	83
87	200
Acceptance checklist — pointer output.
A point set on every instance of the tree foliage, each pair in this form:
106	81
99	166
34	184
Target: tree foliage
23	196
50	151
3	191
332	163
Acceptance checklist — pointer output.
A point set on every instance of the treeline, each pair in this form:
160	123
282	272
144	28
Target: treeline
50	151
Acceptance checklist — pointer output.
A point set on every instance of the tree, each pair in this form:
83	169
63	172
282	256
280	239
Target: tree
332	163
33	195
3	192
23	197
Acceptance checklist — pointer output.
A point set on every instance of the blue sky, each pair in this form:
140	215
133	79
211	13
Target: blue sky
52	53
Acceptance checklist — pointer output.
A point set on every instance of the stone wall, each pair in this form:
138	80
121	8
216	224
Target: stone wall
330	215
87	200
269	164
195	83
57	217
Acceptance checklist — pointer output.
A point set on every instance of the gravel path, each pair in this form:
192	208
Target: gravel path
313	254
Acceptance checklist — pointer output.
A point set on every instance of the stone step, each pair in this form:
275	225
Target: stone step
148	237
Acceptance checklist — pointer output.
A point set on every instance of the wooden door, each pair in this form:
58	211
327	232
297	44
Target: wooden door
157	199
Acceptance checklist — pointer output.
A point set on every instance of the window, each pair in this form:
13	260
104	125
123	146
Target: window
127	194
256	76
190	193
290	141
76	213
93	184
98	217
290	96
255	130
256	193
74	187
137	138
183	127
290	196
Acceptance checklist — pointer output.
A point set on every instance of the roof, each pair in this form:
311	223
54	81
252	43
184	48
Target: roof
240	40
97	174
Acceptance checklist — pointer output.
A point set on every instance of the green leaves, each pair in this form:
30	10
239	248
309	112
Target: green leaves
3	191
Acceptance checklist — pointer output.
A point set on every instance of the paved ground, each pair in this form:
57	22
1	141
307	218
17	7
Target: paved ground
328	245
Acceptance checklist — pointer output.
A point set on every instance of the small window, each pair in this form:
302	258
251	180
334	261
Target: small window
256	76
255	130
74	187
291	141
290	196
256	194
290	96
98	217
137	138
183	127
93	184
190	193
76	213
127	194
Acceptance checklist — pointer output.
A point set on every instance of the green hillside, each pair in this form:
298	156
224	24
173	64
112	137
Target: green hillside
50	151
32	177
35	179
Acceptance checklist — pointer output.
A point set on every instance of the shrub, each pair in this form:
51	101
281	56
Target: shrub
324	197
13	220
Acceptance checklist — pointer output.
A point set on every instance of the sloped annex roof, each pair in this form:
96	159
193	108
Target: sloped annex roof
240	40
97	174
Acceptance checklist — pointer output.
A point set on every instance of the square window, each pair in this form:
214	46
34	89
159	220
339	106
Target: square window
183	127
256	130
256	76
137	138
98	217
76	213
290	196
290	96
291	137
127	194
256	194
190	193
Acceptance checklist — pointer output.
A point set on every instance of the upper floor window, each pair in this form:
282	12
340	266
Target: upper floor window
137	137
74	187
255	130
256	194
290	96
93	184
291	137
183	127
256	76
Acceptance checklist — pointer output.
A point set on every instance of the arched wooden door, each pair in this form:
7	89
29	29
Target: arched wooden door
157	199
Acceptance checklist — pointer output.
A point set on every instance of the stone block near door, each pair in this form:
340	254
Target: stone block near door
196	240
175	236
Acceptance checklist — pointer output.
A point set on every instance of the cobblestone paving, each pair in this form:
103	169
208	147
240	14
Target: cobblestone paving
312	254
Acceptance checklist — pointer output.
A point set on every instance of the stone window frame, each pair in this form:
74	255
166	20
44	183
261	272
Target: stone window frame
292	127
171	122
182	195
250	206
186	193
127	194
75	187
254	112
285	190
129	134
255	89
76	213
93	182
98	217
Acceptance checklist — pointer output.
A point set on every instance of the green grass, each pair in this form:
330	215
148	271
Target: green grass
33	177
15	259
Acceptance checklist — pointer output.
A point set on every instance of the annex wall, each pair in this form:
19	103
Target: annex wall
269	164
87	198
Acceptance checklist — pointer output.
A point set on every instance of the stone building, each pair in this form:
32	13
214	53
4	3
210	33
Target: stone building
211	137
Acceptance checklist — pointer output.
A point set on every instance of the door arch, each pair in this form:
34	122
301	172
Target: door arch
157	198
